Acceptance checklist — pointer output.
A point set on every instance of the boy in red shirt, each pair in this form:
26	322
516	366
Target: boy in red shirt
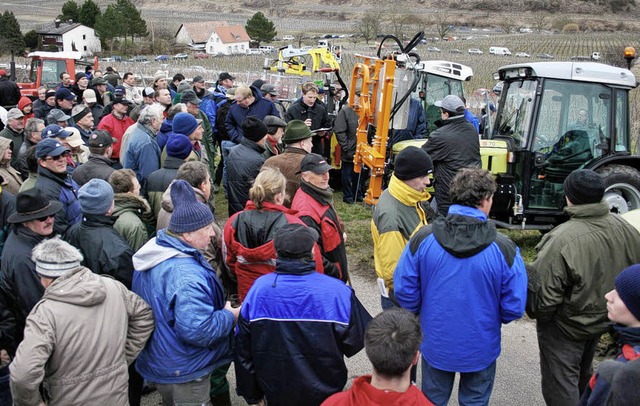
392	342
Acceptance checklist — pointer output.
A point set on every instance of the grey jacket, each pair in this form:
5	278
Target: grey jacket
79	340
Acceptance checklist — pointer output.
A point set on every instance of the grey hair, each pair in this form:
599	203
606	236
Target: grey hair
154	111
32	125
175	109
56	250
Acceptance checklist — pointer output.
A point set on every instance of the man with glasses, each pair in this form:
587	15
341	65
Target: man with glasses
20	288
56	184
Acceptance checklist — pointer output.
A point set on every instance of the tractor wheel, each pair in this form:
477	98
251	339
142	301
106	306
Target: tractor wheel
622	187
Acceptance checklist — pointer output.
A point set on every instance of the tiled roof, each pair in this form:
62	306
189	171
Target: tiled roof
53	30
201	31
232	33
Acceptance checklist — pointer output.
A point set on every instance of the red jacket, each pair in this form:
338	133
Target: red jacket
116	128
362	393
324	219
248	242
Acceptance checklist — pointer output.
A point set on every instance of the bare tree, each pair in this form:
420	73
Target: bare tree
368	26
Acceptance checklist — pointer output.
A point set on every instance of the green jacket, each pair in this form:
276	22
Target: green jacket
134	214
575	266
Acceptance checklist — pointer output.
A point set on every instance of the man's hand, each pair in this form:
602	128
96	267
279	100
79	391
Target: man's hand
234	310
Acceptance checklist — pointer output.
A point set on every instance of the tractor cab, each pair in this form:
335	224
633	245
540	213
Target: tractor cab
554	118
46	68
438	79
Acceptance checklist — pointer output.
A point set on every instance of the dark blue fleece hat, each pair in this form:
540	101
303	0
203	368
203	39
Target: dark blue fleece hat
188	213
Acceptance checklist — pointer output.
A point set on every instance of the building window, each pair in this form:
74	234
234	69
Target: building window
85	47
84	36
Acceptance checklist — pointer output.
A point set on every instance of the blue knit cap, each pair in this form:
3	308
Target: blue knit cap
188	213
179	146
628	288
96	197
184	123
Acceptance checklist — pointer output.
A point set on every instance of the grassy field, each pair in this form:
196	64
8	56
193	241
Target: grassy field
357	223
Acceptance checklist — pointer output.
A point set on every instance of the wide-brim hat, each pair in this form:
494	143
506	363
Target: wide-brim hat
31	205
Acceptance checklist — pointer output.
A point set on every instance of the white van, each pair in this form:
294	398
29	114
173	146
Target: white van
499	51
595	56
266	49
323	43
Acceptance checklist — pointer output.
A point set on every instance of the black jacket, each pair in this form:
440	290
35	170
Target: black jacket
97	167
20	287
7	208
245	161
346	129
453	146
306	334
158	181
104	250
9	93
43	112
319	119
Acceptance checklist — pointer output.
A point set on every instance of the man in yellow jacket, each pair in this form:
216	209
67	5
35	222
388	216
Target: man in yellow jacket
401	210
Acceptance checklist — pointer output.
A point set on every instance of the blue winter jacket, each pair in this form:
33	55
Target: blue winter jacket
164	134
295	328
193	333
416	124
260	108
472	119
465	280
64	190
143	153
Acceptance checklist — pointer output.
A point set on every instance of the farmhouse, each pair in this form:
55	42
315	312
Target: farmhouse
228	40
196	35
67	36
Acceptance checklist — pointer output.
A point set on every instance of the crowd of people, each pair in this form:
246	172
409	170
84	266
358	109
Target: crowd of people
118	275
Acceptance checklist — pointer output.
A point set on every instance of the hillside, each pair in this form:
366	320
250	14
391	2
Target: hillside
339	15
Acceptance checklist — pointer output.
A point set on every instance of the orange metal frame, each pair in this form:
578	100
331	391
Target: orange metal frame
376	79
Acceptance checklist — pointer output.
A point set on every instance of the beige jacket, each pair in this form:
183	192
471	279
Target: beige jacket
11	178
78	340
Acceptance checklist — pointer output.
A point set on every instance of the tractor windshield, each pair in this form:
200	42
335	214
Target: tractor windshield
515	117
433	88
572	129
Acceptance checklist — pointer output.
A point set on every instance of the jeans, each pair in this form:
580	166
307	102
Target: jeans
194	393
226	148
350	183
475	387
565	364
5	391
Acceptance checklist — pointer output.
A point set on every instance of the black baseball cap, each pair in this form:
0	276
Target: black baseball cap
314	163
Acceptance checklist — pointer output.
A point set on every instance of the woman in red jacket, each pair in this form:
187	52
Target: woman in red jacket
248	235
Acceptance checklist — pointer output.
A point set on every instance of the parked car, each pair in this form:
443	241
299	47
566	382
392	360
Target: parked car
201	55
180	56
455	51
433	49
108	59
545	56
475	51
522	55
254	51
139	58
117	58
288	38
162	58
